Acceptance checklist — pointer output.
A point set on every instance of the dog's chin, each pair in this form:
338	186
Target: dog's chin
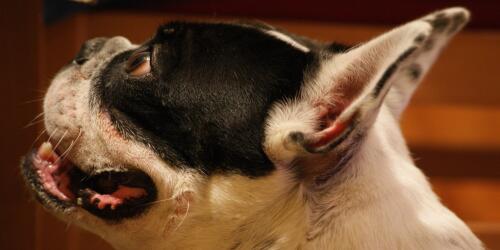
112	194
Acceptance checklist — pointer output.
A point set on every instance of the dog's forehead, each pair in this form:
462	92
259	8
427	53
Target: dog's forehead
214	88
251	31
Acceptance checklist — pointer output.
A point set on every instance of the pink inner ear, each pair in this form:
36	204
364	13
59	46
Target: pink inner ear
328	134
330	127
346	89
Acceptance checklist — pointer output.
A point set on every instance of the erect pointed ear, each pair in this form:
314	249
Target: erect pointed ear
341	101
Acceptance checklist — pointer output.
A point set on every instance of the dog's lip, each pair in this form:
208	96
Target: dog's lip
114	193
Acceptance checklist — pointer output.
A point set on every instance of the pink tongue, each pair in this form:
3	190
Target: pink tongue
117	197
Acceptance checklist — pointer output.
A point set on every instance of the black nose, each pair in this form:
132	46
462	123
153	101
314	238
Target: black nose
88	49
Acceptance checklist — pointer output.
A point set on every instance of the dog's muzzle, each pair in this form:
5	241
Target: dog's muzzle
112	193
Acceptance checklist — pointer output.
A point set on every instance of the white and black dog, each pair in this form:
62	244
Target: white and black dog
242	136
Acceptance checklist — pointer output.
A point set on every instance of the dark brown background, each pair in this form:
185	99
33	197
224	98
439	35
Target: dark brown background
452	125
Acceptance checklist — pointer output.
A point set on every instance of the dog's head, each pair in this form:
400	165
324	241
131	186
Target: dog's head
209	128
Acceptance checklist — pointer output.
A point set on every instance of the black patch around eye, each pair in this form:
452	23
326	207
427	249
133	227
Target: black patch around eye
136	60
207	106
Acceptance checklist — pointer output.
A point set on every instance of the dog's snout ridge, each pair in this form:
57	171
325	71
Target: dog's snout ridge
88	48
100	45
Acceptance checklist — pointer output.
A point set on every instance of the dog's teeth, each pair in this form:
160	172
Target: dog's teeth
45	151
79	201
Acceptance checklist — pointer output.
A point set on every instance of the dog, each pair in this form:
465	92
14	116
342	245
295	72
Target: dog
243	136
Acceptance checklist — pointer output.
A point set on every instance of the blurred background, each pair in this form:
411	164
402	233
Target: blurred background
452	124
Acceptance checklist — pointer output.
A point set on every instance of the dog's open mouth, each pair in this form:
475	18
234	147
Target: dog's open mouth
112	194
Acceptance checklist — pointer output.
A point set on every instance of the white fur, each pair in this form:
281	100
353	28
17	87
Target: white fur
380	201
385	202
288	40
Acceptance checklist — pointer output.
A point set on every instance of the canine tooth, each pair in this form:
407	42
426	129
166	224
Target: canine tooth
45	151
79	201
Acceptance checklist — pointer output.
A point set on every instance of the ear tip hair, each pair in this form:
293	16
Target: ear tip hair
460	10
459	14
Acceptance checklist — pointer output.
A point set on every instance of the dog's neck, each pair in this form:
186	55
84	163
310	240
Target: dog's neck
374	199
354	204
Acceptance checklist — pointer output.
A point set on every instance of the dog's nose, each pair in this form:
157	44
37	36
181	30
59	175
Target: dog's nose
88	49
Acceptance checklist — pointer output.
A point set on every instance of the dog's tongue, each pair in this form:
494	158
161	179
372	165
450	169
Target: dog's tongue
116	198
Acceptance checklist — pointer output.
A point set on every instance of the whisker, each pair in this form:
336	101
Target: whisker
38	116
60	140
34	100
71	145
68	225
52	134
33	123
38	90
184	218
63	155
156	202
38	137
166	226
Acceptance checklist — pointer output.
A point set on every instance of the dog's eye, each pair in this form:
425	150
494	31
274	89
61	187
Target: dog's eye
139	63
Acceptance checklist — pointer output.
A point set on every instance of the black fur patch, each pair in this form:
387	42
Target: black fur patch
206	100
338	47
429	44
457	21
415	71
419	39
390	70
440	22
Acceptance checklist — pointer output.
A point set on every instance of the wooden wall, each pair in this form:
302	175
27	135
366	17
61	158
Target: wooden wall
452	125
19	87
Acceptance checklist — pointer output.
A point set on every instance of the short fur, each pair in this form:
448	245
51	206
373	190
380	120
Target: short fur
258	139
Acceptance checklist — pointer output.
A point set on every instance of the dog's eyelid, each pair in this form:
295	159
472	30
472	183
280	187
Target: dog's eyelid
139	63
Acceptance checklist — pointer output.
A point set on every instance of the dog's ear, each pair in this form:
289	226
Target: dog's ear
342	98
445	24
